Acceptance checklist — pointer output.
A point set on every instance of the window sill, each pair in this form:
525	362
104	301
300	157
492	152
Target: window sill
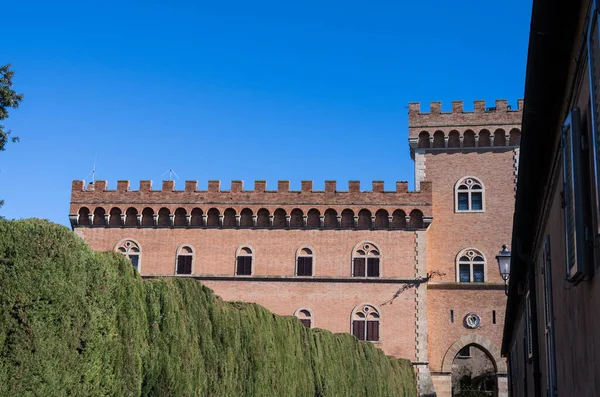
468	211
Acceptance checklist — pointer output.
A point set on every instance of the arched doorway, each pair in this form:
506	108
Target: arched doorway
473	373
476	368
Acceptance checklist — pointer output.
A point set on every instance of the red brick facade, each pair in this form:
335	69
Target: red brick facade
411	233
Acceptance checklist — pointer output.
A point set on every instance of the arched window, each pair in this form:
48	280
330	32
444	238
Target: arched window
438	139
347	219
196	217
365	323
454	139
304	262
180	217
229	218
468	195
469	138
313	220
212	219
115	217
163	217
305	316
262	219
399	219
132	251
470	266
84	216
244	259
330	221
131	217
423	139
246	218
148	217
279	218
416	219
185	259
499	137
364	219
99	216
382	220
484	138
366	260
515	137
296	218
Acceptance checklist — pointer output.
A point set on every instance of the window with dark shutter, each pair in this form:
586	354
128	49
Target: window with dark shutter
244	267
184	264
359	267
305	322
573	197
365	323
372	330
304	262
358	329
373	267
366	260
304	266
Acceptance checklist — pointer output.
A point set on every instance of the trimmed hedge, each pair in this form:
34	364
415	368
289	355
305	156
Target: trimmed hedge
82	323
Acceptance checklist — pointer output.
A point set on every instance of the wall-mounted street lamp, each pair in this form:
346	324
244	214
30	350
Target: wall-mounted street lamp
503	259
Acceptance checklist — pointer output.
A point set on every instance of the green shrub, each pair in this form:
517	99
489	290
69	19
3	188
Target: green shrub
82	323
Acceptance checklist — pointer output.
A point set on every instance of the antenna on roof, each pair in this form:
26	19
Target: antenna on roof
93	171
171	172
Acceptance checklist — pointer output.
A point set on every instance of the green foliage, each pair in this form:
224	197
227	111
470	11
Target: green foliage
8	99
77	322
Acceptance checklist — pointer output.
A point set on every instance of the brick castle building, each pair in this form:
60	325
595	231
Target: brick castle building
347	260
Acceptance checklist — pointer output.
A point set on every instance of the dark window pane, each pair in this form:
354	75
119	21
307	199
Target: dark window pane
372	330
478	273
358	329
373	267
184	264
308	266
305	322
359	267
464	273
463	201
244	265
477	201
134	259
304	266
465	352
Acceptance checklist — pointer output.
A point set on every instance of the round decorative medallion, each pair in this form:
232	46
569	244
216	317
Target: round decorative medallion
472	321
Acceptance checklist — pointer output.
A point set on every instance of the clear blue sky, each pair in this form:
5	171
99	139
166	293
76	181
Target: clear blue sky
239	90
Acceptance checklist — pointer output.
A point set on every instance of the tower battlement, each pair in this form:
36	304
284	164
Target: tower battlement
498	126
95	201
99	189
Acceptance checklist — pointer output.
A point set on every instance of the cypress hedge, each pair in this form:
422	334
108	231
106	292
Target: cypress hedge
74	322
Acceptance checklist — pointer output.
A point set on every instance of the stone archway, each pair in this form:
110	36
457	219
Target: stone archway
489	348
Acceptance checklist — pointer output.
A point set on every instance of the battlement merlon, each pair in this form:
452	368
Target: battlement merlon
97	193
501	115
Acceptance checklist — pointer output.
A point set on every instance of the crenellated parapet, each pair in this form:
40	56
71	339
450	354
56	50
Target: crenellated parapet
95	205
484	128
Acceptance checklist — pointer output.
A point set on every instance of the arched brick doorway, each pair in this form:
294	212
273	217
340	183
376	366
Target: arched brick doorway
477	343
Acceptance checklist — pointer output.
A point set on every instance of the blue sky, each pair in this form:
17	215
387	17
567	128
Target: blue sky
239	90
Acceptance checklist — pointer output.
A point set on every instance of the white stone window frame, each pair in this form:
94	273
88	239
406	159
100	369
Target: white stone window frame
355	255
465	180
238	253
193	255
126	254
466	252
311	317
360	308
299	254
